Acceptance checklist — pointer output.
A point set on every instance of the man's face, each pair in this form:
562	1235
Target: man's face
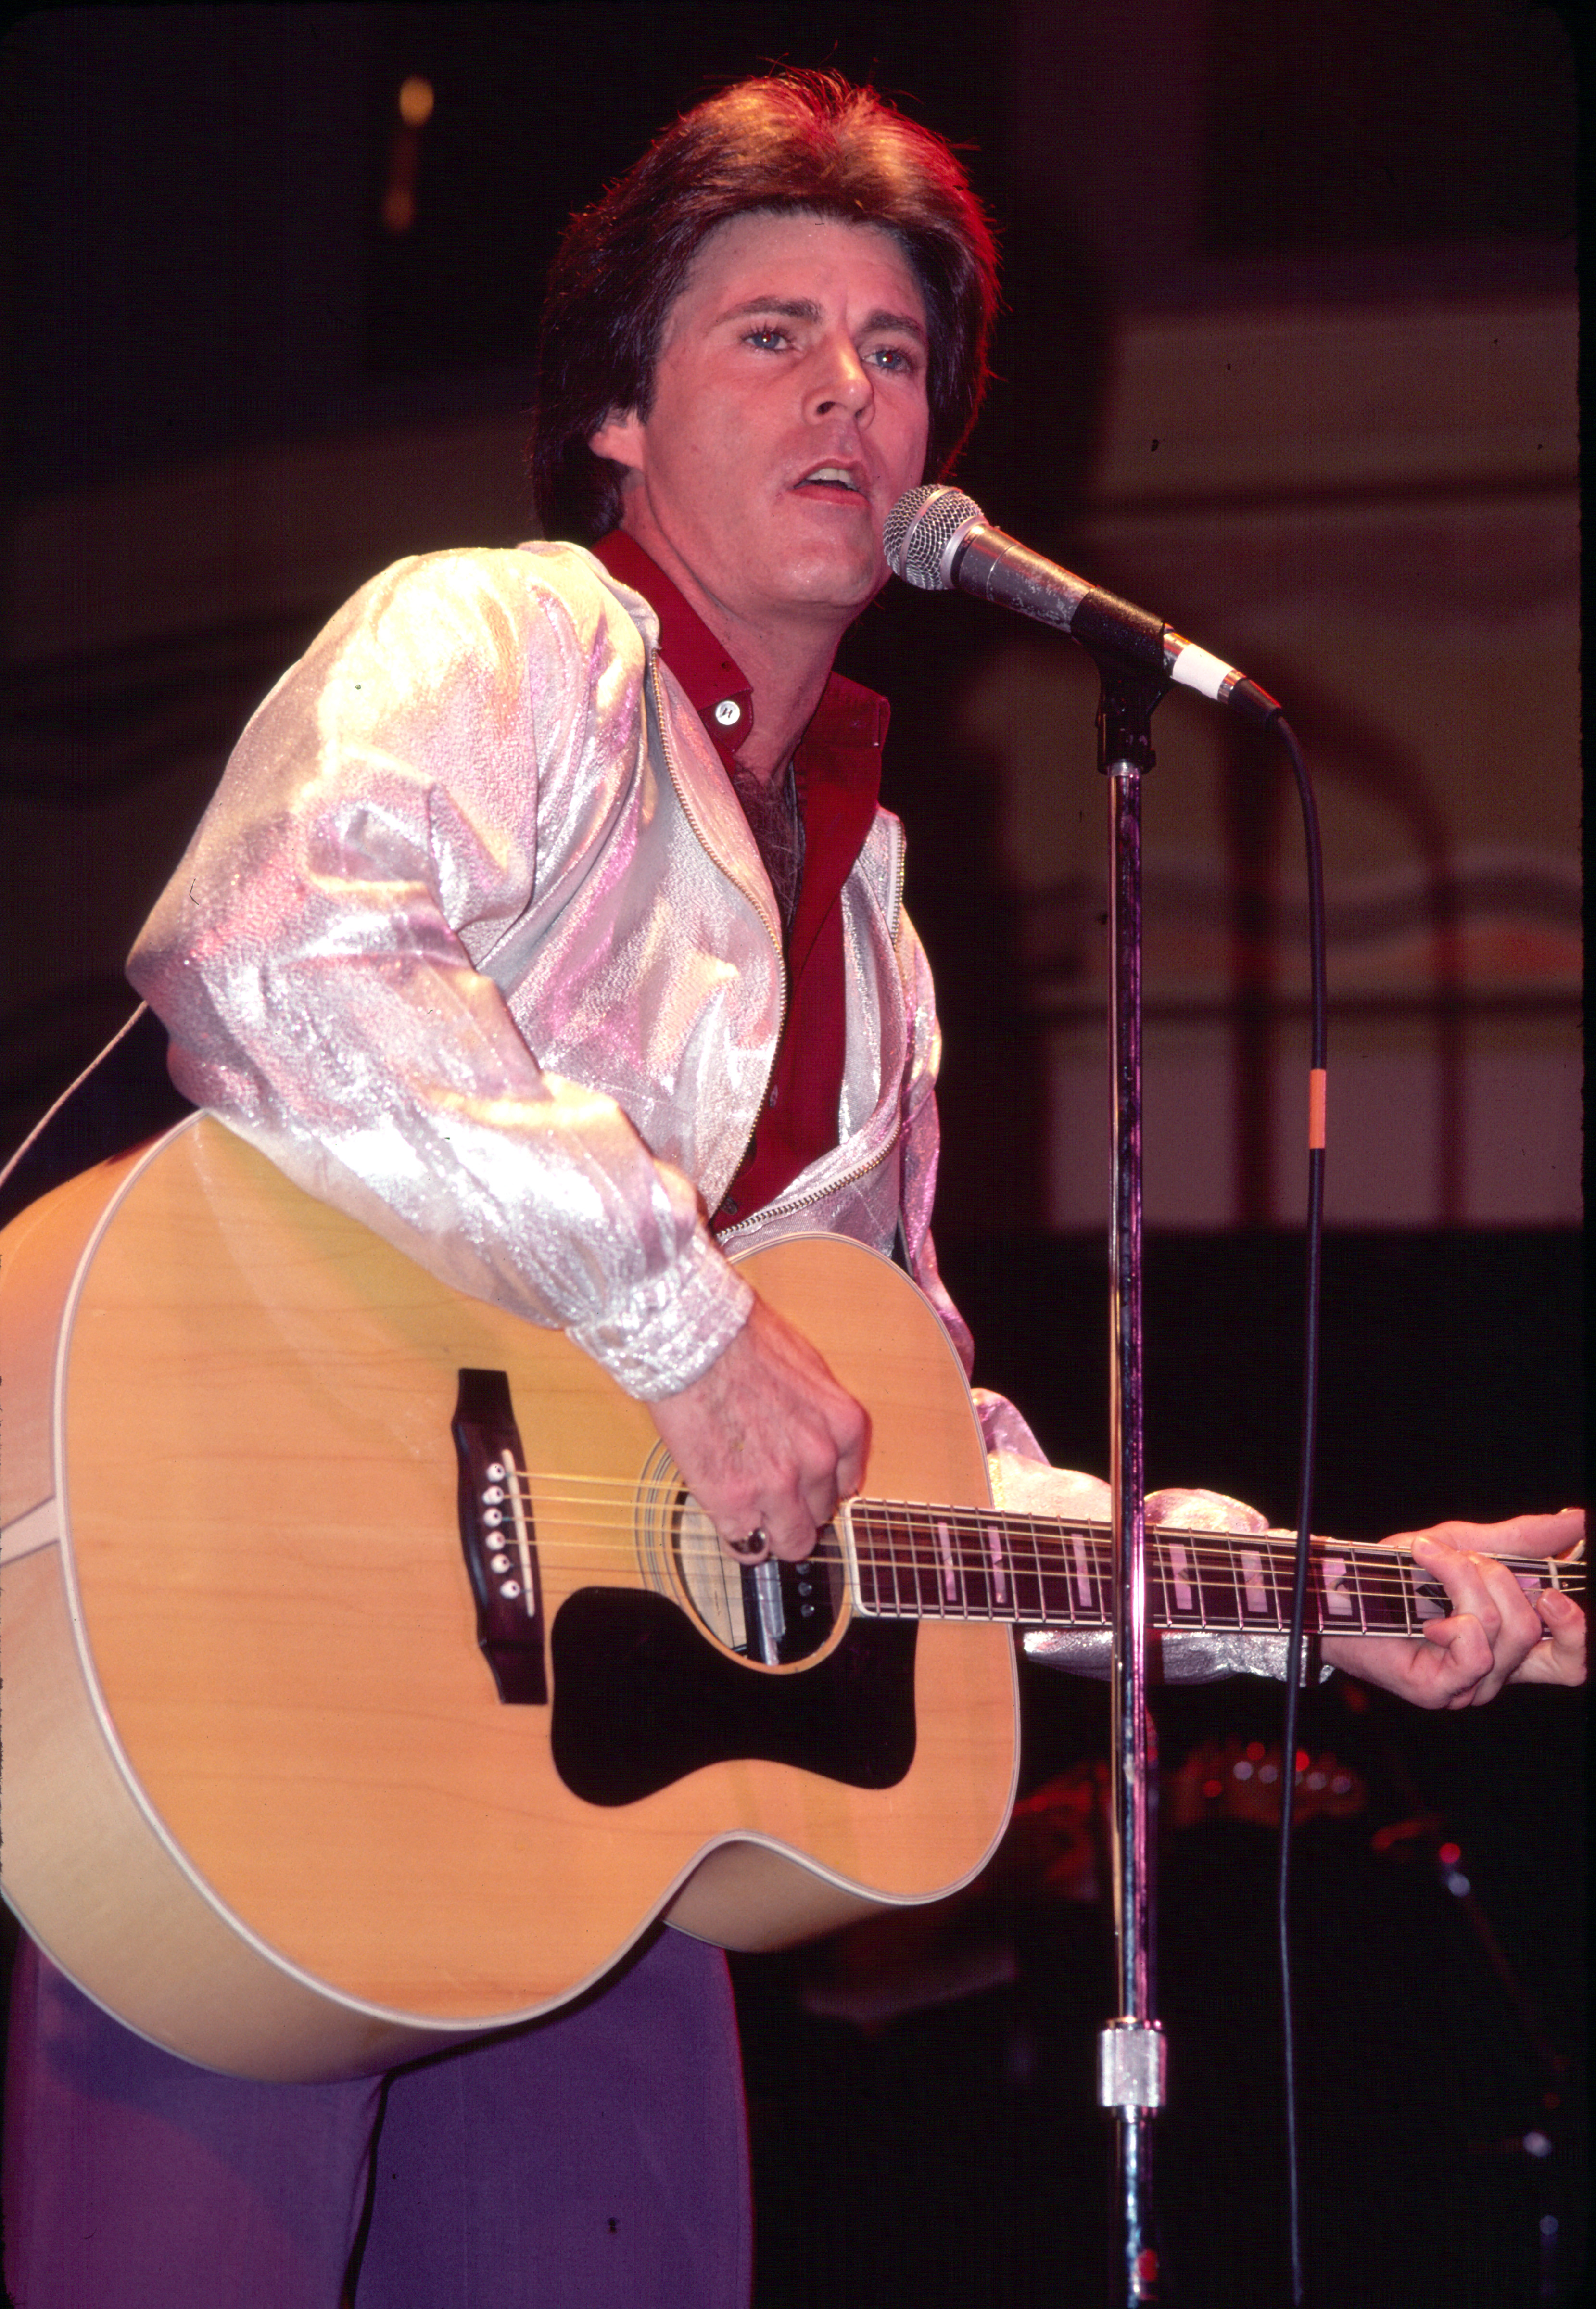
789	414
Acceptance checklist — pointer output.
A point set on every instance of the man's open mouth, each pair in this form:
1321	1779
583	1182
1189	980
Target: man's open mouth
832	477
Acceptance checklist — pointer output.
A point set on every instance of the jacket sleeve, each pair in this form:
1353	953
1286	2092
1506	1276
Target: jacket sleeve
422	776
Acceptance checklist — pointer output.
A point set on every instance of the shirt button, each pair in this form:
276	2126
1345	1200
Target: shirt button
728	713
730	1206
772	1100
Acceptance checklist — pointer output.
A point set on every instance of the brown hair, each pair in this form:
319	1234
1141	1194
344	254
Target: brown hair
799	139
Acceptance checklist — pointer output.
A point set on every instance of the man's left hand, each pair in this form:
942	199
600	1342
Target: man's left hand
1494	1634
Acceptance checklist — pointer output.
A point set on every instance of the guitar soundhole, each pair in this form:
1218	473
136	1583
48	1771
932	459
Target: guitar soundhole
776	1613
641	1698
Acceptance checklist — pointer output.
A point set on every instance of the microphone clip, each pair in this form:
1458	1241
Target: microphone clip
1124	710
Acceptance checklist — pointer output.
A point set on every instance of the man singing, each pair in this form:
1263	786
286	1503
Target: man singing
546	922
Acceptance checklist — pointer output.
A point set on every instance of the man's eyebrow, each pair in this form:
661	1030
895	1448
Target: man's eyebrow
904	323
790	309
805	309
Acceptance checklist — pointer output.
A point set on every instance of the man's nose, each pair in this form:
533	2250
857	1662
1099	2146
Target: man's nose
841	381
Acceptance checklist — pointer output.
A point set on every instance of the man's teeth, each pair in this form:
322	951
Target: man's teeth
833	473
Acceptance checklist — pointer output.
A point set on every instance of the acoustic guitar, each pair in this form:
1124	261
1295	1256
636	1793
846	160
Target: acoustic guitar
371	1683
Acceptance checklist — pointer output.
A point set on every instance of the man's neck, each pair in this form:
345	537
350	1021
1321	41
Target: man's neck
786	663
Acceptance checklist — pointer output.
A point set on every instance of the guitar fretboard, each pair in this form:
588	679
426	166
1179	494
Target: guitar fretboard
928	1564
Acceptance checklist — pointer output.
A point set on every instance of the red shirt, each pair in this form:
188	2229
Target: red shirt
838	763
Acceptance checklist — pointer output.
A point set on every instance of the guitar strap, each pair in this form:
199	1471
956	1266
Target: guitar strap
901	1247
123	1096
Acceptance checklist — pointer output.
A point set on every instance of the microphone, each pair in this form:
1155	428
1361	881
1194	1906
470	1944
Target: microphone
939	539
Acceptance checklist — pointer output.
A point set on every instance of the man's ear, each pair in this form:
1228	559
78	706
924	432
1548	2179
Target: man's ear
620	439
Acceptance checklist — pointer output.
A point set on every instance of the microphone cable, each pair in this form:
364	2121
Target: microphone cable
1313	1263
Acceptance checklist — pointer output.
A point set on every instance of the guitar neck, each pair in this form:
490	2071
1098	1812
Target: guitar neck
910	1562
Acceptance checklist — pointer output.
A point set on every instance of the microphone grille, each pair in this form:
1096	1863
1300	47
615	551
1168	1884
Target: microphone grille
920	527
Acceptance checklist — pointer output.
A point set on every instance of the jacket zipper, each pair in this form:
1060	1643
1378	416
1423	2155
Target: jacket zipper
900	863
782	1209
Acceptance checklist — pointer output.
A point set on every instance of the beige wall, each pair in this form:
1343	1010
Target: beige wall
1374	511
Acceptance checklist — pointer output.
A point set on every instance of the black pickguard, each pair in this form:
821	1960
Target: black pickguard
641	1698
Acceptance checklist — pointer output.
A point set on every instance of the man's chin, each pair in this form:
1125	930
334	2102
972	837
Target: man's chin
830	587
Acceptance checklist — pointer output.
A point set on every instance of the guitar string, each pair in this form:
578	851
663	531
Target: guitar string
628	1490
969	1531
1384	1572
976	1524
969	1549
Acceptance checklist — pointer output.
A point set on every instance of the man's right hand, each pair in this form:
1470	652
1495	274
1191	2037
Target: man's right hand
766	1440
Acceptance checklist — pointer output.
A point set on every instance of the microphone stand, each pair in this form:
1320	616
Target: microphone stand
1131	2047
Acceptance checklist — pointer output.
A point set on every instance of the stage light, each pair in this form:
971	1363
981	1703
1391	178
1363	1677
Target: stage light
416	103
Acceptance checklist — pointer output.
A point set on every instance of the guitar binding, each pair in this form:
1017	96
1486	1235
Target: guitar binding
499	1539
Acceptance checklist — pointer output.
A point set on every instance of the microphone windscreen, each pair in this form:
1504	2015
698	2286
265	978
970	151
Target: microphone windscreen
920	527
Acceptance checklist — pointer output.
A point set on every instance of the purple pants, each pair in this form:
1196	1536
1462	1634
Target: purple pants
598	2160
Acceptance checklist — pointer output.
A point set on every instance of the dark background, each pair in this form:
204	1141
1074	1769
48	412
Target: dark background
197	266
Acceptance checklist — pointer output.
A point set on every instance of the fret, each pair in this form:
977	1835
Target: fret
1173	1561
916	1570
1035	1609
914	1579
949	1587
1217	1582
994	1571
1410	1600
1382	1587
860	1522
1080	1597
982	1575
1279	1564
1068	1588
1424	1599
975	1578
878	1591
1253	1582
1251	1603
973	1539
1233	1586
1338	1592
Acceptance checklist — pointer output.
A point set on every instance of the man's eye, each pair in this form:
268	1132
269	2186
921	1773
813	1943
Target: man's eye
896	359
773	337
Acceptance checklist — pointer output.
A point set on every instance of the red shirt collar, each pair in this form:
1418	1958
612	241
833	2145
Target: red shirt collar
839	775
843	741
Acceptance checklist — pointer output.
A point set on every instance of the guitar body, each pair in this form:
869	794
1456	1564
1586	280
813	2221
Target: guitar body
263	1799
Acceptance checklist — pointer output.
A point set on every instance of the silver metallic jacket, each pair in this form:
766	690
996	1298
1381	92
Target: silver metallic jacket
475	944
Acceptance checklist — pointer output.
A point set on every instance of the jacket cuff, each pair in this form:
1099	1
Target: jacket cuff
1183	1656
669	1330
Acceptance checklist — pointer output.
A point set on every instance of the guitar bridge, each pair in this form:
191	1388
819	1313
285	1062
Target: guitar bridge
499	1540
